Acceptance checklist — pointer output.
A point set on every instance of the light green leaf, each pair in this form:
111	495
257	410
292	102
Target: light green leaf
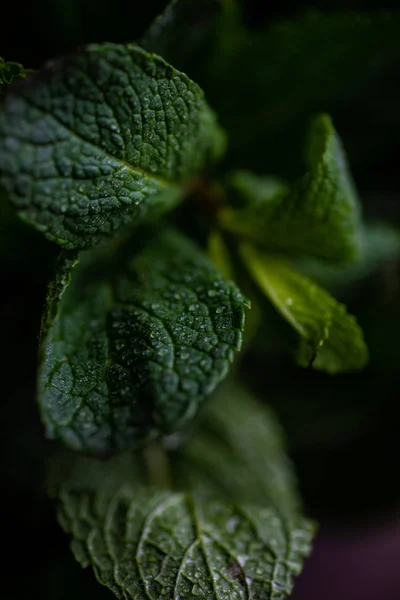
181	32
319	215
135	340
191	541
238	451
219	254
100	139
330	339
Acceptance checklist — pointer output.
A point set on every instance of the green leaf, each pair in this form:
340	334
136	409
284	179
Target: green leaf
380	245
246	189
133	341
238	451
219	254
330	339
335	62
319	215
10	71
192	541
100	139
181	32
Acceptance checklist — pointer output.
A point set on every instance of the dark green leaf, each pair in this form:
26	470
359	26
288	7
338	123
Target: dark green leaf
238	451
193	542
318	215
99	139
135	342
181	31
281	75
330	339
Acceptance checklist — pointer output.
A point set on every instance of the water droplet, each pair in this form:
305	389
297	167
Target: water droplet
242	560
289	301
231	524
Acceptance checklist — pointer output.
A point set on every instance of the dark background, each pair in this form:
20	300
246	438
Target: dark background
342	432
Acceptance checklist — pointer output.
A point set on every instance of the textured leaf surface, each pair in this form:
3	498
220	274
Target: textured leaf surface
336	62
238	451
100	139
180	33
330	338
136	341
318	215
145	542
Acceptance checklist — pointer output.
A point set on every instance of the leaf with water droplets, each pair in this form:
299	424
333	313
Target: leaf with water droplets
135	337
101	139
330	338
318	215
190	541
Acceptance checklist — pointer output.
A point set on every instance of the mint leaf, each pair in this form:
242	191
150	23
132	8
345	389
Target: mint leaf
330	339
245	189
168	34
380	245
219	254
100	139
134	339
319	61
319	215
238	451
191	540
10	71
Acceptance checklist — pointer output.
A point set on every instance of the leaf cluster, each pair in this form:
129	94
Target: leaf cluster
172	253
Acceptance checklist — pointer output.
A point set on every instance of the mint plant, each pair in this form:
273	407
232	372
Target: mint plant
170	483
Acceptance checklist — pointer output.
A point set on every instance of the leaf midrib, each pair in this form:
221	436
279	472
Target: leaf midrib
135	169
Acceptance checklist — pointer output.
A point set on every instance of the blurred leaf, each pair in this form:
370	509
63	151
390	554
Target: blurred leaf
238	450
219	254
380	245
318	215
281	75
244	189
330	339
180	33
